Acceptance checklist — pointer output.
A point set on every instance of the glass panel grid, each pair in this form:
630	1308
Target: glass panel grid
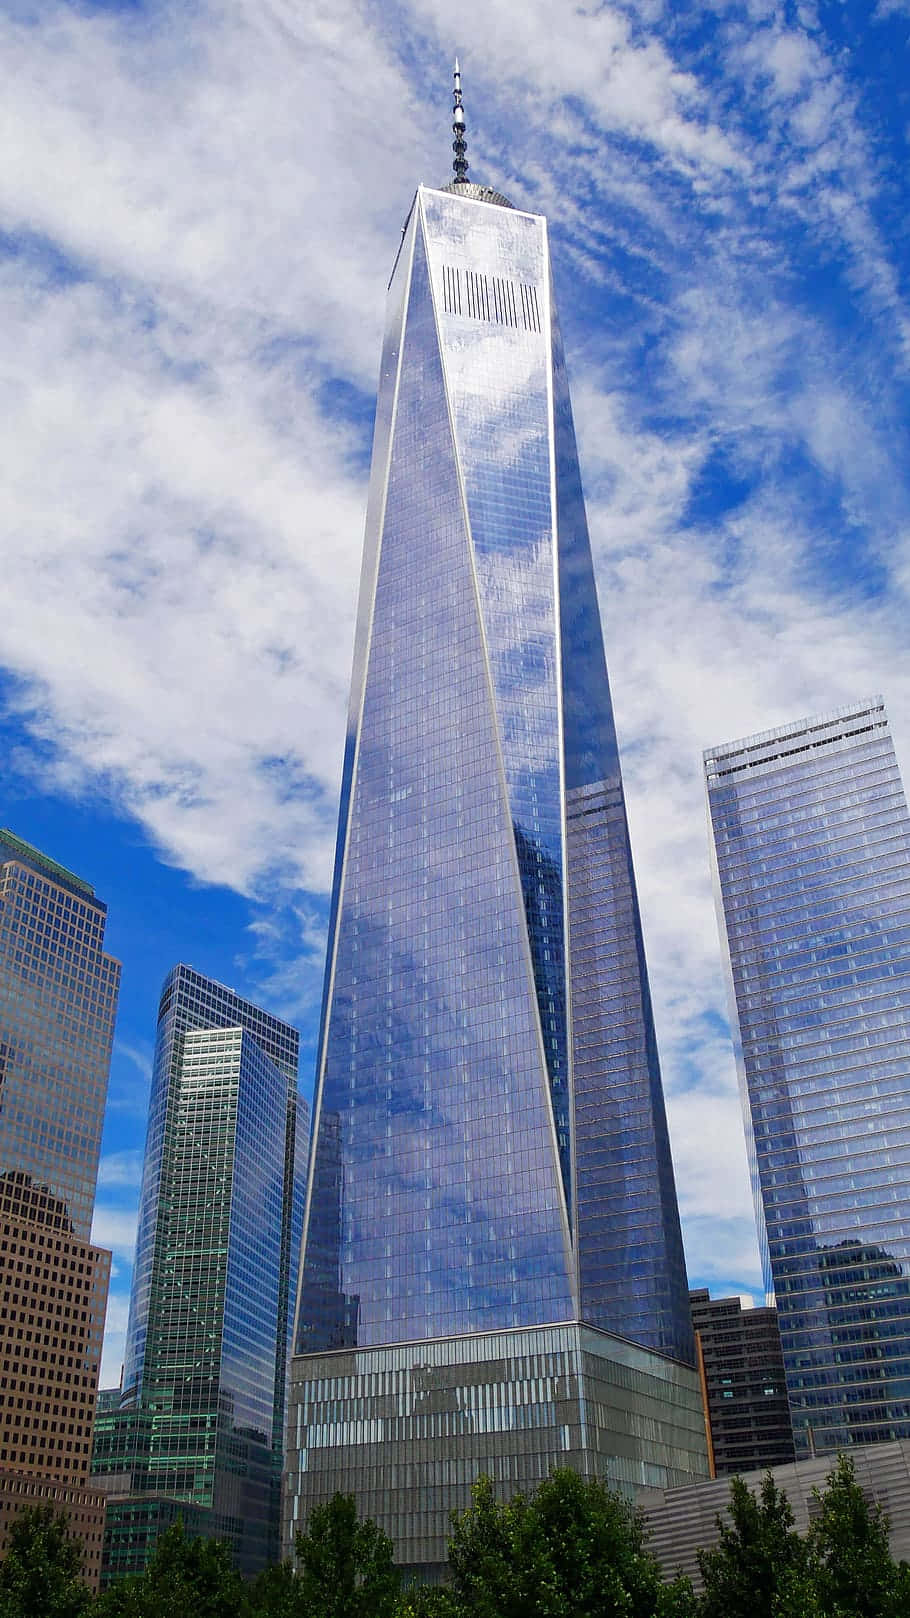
812	837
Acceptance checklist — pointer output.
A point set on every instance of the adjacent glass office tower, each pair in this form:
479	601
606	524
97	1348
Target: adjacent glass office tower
58	1002
490	1152
812	851
199	1428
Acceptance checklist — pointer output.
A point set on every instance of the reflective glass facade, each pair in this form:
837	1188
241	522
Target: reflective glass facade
490	1146
202	1412
58	1001
812	850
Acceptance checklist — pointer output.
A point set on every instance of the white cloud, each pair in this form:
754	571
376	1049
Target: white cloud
139	1058
118	1308
115	1228
121	1169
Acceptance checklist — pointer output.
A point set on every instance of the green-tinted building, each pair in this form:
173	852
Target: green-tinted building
197	1428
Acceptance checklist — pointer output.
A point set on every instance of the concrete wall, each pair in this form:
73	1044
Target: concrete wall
684	1520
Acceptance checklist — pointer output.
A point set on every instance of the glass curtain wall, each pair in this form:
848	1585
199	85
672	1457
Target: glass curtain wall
811	839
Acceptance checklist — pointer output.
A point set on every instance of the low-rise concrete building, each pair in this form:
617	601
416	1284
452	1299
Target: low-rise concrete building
685	1521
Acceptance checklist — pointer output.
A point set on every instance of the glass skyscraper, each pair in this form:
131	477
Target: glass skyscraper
58	1002
811	839
199	1427
492	1228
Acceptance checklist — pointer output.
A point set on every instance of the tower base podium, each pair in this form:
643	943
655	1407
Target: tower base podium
406	1429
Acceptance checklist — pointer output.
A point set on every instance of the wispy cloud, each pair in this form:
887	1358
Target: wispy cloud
115	1228
141	1059
118	1309
120	1169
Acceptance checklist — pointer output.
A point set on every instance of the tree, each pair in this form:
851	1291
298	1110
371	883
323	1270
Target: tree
758	1568
427	1601
854	1573
574	1549
42	1569
345	1567
482	1562
186	1578
273	1593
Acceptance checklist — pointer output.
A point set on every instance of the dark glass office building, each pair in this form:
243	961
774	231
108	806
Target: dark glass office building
199	1423
493	1276
812	848
743	1383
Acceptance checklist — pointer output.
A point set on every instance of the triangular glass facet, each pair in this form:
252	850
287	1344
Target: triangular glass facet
436	1198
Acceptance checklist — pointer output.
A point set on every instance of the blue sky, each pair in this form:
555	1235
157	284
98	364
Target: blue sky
199	208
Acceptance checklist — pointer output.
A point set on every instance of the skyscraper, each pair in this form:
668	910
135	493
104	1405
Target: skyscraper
811	840
198	1430
491	1189
58	1002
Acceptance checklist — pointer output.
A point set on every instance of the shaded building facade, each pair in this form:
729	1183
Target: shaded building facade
811	840
685	1520
743	1384
58	1002
490	1173
198	1428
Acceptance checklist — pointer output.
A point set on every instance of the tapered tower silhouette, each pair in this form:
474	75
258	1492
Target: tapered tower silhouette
490	1181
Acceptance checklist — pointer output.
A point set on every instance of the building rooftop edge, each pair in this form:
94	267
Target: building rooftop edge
484	194
186	968
497	1331
797	727
44	864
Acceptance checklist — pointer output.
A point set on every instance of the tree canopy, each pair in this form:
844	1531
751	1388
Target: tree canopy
849	1559
759	1559
186	1578
41	1572
571	1549
346	1567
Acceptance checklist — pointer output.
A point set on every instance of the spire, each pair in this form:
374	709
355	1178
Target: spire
459	144
461	186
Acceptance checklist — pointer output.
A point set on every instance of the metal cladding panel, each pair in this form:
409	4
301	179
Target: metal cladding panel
408	1428
436	1201
687	1519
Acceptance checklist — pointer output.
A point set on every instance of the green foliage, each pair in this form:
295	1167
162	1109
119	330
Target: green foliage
843	1569
853	1571
574	1549
758	1568
677	1600
345	1567
273	1593
41	1571
186	1578
427	1601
